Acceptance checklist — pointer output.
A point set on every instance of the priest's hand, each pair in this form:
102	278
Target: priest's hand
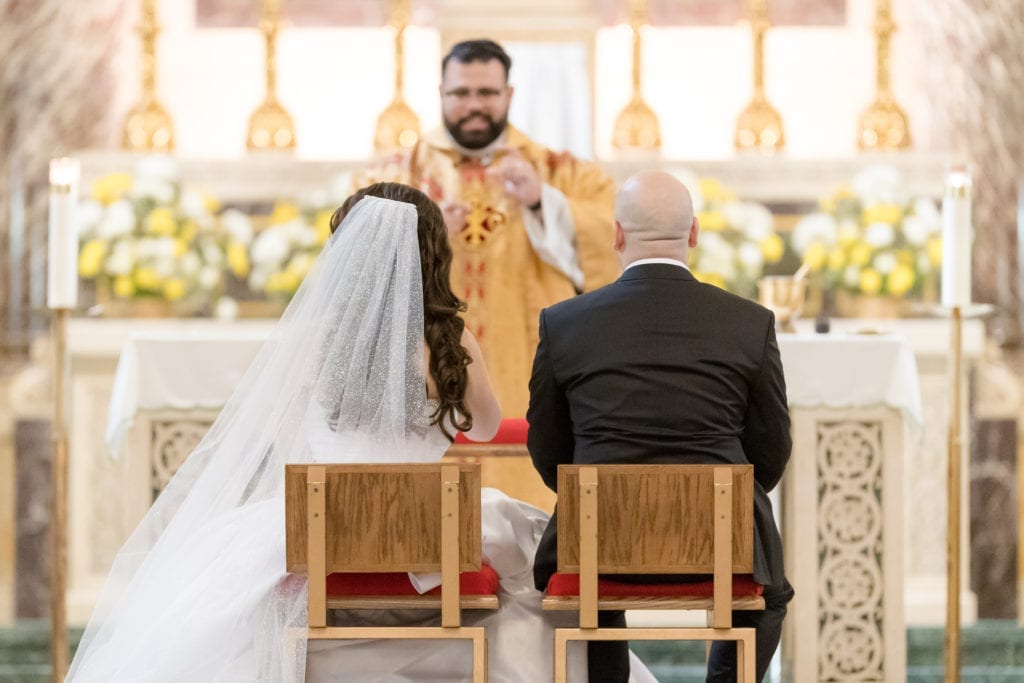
518	176
454	217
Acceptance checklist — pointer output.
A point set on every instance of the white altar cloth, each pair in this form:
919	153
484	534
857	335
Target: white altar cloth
178	369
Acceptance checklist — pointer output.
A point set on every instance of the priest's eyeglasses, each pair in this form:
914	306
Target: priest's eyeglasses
465	94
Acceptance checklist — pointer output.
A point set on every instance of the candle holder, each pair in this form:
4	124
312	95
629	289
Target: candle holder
759	126
271	126
62	296
636	126
398	126
883	125
148	126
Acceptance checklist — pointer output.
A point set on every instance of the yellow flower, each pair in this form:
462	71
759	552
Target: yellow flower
180	247
830	203
91	258
123	287
883	213
772	248
323	226
174	289
238	259
211	203
905	257
836	259
714	191
860	254
848	234
284	282
110	188
160	221
284	212
934	251
712	221
189	230
711	279
870	281
146	278
815	256
901	279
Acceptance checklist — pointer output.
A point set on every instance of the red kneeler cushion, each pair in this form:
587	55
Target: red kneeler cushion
569	584
483	582
511	431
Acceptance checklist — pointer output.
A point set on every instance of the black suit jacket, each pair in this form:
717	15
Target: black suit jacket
659	368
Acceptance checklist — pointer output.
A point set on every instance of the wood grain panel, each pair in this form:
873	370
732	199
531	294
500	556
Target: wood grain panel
383	517
656	519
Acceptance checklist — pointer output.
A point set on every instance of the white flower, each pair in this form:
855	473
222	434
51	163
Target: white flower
165	247
209	277
193	206
190	264
885	262
148	247
165	266
815	227
238	225
257	279
270	248
879	235
849	229
925	210
89	214
118	219
851	276
915	230
121	259
755	220
692	182
750	257
151	187
212	254
226	308
880	185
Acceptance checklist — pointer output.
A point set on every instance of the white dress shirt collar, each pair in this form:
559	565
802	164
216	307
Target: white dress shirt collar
667	261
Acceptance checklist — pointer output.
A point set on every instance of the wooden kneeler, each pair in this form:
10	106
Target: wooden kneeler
368	519
655	519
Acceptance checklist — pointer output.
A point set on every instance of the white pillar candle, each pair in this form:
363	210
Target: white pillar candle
62	269
957	238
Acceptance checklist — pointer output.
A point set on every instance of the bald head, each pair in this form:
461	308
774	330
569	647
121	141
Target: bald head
654	218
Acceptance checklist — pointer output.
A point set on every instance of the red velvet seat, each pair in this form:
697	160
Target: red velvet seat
511	431
483	582
743	586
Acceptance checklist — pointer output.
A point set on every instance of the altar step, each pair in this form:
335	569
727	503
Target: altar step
993	652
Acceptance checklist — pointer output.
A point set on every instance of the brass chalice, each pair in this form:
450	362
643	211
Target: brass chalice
784	296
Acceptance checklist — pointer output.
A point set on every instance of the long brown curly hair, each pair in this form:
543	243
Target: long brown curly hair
441	322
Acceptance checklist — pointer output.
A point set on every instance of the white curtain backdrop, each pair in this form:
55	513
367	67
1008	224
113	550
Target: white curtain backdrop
552	101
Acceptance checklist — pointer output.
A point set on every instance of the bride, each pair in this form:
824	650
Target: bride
370	363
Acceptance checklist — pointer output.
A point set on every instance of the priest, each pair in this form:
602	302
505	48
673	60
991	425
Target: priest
529	226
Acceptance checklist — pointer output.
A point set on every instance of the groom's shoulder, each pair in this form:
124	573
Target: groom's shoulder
580	305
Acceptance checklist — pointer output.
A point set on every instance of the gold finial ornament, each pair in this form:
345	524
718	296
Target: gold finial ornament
636	126
148	126
883	125
759	126
398	126
271	126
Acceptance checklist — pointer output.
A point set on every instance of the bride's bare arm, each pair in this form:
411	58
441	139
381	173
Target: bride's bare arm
480	399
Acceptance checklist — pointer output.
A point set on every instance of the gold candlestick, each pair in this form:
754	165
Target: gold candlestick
148	126
398	126
883	125
271	126
637	125
759	126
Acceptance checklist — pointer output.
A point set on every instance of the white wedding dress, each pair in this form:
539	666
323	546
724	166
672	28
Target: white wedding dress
199	592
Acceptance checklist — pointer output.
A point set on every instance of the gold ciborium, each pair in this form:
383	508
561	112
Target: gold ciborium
784	296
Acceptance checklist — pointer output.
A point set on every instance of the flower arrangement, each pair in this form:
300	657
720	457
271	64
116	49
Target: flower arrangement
872	238
148	236
286	249
737	239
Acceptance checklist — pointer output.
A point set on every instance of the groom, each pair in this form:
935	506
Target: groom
659	368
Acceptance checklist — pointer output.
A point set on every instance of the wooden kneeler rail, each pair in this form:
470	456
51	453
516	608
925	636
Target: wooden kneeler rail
656	519
388	518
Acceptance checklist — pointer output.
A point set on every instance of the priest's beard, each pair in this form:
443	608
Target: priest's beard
476	139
